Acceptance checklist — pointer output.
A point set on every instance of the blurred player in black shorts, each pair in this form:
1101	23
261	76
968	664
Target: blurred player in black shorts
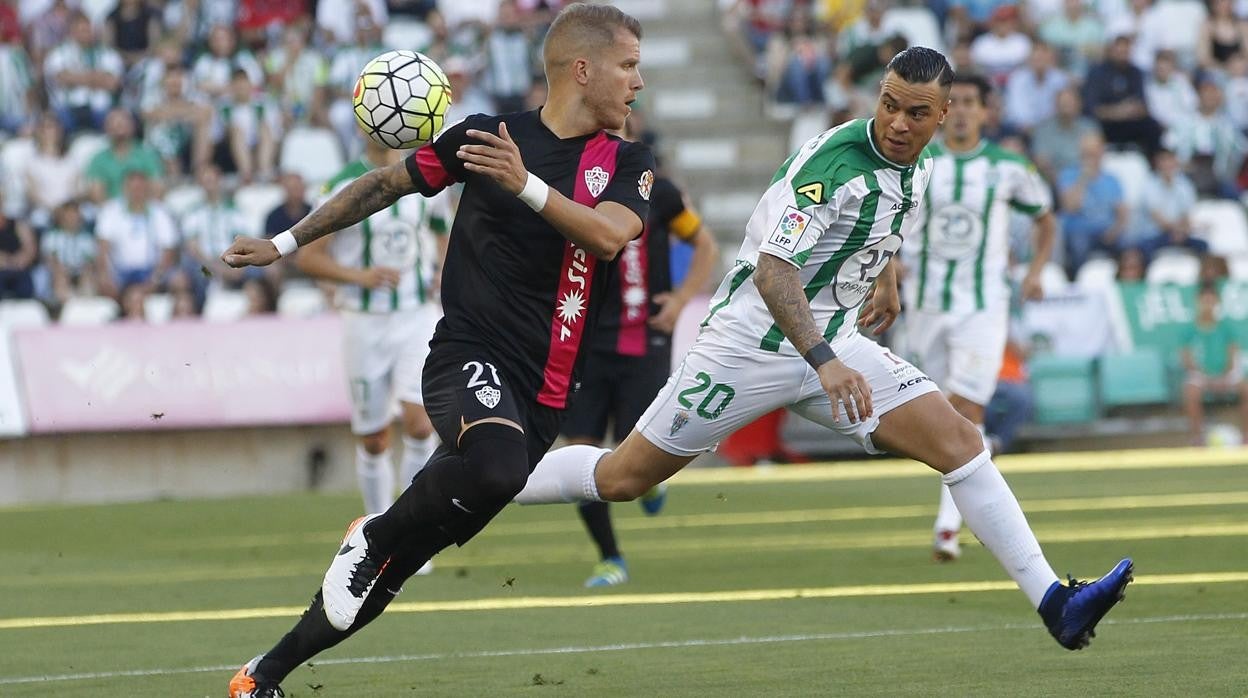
630	353
548	196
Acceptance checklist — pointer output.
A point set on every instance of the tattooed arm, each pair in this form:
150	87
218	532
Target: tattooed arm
781	287
360	199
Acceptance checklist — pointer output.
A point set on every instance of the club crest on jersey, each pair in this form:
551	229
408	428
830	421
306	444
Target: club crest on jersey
489	396
645	183
789	230
596	179
680	419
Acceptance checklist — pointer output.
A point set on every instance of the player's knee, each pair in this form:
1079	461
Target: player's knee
621	489
377	442
963	443
499	458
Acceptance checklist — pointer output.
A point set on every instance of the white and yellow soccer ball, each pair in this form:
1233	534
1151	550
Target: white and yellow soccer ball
401	98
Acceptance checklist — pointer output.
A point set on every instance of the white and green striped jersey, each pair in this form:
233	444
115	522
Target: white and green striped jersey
837	209
399	237
959	258
213	226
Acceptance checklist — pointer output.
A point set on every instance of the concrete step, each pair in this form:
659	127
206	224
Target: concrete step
740	154
669	11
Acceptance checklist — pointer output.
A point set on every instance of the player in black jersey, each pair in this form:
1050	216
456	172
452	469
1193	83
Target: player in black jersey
630	353
548	196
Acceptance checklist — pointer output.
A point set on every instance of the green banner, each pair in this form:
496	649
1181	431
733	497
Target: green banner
1157	314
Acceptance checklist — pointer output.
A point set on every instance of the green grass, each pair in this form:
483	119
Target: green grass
1169	638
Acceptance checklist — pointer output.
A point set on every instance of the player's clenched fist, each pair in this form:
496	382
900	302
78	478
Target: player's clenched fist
250	252
847	387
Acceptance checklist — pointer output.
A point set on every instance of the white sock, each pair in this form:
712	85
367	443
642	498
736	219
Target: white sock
416	453
564	475
375	474
993	515
948	518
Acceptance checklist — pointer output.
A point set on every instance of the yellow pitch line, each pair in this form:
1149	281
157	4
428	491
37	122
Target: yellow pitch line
1092	461
536	602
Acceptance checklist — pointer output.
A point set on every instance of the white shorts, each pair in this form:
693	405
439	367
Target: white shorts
722	385
962	352
385	354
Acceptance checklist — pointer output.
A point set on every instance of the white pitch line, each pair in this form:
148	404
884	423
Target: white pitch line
622	647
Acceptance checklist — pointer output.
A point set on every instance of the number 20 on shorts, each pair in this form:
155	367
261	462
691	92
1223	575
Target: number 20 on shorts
719	395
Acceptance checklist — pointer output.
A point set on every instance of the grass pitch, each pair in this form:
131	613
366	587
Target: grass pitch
791	581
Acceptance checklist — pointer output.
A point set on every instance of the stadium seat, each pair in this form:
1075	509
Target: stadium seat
1131	170
180	200
917	24
1064	387
1238	267
225	306
22	313
1097	274
85	146
1182	20
13	158
89	310
158	308
255	201
97	10
1052	278
300	301
1223	224
312	152
406	34
807	125
1135	378
1173	266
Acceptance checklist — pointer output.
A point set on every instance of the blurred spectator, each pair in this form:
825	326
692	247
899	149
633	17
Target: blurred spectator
212	72
184	304
124	154
69	253
1013	402
798	60
343	71
1003	48
509	69
261	295
864	66
1092	213
17	88
331	13
293	207
1031	93
1222	35
1213	269
1236	89
1211	358
83	77
259	20
210	227
52	176
1168	93
960	56
178	127
191	21
1140	19
296	75
132	28
1208	145
248	129
867	30
1076	34
469	98
133	299
145	86
48	29
751	20
18	252
971	17
1132	265
1168	200
1114	95
136	236
1055	141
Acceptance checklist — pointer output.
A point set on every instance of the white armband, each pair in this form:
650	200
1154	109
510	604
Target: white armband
534	193
285	243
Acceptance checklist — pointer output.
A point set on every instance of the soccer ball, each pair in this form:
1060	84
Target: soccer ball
400	99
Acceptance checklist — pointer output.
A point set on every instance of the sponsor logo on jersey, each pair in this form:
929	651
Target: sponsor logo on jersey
904	206
913	381
571	305
644	184
596	180
489	396
680	419
789	229
812	191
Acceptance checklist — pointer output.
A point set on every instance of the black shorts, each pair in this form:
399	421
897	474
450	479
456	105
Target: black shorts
615	387
464	382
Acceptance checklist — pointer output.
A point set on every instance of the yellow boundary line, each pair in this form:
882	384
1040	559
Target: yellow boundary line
537	602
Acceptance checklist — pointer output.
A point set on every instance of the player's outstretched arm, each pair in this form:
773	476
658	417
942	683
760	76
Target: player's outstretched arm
358	200
780	286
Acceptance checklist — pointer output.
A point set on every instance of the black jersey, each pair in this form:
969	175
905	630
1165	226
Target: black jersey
643	270
510	279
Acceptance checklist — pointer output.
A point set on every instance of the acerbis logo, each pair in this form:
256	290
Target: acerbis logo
913	381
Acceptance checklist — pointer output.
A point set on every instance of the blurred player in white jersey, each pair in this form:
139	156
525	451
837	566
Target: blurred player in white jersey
957	296
385	270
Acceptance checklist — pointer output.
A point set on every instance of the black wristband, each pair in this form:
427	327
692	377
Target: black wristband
819	355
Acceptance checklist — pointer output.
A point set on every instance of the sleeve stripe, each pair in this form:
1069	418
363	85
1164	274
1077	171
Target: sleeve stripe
685	224
431	170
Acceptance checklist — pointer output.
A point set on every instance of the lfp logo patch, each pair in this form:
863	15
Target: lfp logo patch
789	229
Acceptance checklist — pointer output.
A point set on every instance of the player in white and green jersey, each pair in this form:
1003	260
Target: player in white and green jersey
957	293
817	264
385	270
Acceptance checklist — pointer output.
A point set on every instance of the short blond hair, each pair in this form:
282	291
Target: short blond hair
580	28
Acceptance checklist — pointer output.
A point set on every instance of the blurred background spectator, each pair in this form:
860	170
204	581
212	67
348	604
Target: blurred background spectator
1092	211
138	239
1212	361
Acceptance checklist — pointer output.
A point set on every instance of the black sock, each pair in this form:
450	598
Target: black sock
597	518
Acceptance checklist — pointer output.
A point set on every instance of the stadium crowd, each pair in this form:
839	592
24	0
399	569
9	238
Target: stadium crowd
139	137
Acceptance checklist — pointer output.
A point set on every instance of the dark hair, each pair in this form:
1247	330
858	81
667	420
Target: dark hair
1207	287
981	84
920	64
